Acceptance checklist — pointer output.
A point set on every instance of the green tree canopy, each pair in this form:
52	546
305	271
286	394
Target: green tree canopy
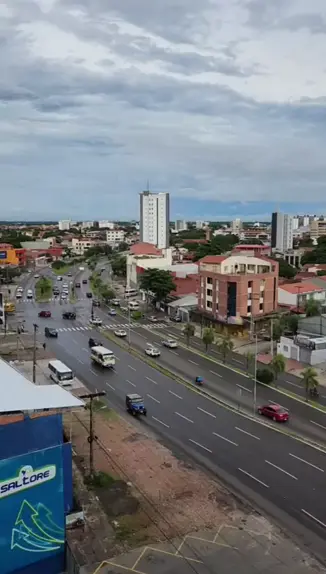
285	270
310	381
188	331
119	265
278	365
312	308
208	337
317	255
217	246
225	346
159	282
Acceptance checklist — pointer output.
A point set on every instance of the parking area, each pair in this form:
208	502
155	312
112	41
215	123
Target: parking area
252	548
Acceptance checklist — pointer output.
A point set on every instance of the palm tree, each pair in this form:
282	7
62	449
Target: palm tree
309	377
189	331
225	346
278	365
208	337
250	357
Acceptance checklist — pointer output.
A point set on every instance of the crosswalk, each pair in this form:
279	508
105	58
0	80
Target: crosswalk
113	327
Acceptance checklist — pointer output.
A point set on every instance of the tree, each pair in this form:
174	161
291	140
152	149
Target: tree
278	329
278	365
285	269
119	265
225	346
250	358
218	245
208	337
44	284
312	308
265	376
292	323
310	381
158	282
58	264
189	331
317	255
106	292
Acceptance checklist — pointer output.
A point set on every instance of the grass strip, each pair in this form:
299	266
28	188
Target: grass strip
43	290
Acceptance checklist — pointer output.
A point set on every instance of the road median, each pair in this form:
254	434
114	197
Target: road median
234	407
43	290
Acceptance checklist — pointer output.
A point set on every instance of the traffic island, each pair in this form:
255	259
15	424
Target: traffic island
43	290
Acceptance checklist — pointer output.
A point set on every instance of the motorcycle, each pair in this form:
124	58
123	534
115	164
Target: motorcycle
199	381
314	393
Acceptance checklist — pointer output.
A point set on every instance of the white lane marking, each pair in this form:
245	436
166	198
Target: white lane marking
253	477
79	361
174	353
73	329
86	350
81	328
175	395
237	361
306	462
64	329
313	518
318	425
161	422
278	404
132	368
216	374
293	384
248	433
74	341
151	380
244	388
281	470
206	412
200	445
193	362
108	384
226	439
130	383
95	374
183	417
153	398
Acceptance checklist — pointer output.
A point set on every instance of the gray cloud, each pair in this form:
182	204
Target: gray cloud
80	137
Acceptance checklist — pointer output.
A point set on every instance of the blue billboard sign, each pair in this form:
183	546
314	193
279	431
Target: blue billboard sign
32	525
3	254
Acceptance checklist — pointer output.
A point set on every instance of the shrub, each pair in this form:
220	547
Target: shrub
265	376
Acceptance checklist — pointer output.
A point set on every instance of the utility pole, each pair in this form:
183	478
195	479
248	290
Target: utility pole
255	373
92	436
272	338
35	326
129	326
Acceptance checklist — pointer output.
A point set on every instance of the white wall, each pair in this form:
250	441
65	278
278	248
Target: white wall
147	263
286	298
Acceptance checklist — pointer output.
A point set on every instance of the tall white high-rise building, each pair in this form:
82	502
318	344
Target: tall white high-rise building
155	218
282	232
65	224
236	226
181	225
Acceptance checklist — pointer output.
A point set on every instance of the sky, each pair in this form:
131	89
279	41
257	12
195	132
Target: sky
220	102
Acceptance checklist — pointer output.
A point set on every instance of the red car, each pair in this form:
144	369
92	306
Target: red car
44	314
274	412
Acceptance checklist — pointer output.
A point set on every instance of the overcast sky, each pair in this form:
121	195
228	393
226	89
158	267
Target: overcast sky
220	102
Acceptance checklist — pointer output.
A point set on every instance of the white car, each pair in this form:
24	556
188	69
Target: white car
59	278
152	352
19	294
170	343
29	294
153	319
36	276
19	290
63	295
120	333
96	321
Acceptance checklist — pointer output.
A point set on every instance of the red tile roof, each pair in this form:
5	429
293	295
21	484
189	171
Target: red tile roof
144	249
300	288
213	259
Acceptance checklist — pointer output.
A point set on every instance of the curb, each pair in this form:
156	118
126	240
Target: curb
212	398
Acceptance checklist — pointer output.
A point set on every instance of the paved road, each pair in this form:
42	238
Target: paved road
282	475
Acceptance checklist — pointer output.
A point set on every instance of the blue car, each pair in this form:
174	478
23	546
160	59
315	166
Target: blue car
135	405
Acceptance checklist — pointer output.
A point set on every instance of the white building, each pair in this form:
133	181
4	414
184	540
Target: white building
295	223
115	236
80	246
181	225
104	224
297	294
282	232
155	218
87	224
64	224
236	227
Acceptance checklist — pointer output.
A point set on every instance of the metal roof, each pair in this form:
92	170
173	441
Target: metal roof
18	394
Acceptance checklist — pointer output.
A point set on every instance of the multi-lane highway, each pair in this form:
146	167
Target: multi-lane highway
284	476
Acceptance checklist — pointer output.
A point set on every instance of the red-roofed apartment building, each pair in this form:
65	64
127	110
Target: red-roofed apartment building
295	295
237	287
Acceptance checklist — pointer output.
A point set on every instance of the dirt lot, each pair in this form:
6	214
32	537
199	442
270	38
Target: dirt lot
148	497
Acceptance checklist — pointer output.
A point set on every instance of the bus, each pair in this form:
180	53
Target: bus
60	373
103	356
130	293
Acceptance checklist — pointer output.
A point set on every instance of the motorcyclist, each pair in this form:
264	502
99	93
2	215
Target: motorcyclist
199	380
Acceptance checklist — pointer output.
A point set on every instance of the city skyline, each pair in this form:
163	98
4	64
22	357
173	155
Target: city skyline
208	112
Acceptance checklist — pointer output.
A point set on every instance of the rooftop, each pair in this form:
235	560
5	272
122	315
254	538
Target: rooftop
301	288
213	259
144	248
18	394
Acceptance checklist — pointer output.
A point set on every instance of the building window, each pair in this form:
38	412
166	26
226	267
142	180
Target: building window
285	348
209	304
249	309
209	292
261	306
250	284
209	281
249	296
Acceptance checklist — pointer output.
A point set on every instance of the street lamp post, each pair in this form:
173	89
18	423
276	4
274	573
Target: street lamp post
129	326
255	372
35	326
